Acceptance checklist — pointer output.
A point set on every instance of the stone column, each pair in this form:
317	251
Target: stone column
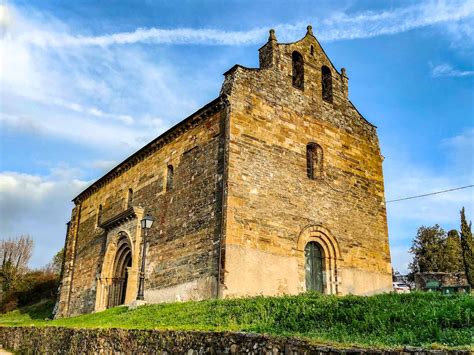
132	282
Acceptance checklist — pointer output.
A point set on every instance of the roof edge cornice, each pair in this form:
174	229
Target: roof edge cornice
144	152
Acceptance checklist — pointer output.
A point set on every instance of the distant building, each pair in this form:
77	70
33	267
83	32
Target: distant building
398	277
275	187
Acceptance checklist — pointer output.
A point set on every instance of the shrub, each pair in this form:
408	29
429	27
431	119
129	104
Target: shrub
34	287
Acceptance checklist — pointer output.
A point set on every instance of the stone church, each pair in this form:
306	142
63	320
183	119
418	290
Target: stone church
275	187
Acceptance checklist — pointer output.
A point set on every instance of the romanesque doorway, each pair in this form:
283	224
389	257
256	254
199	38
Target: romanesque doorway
319	261
314	267
117	282
117	287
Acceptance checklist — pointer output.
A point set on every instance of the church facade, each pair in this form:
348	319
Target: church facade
275	187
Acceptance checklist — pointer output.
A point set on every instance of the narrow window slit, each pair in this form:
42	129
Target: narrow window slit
130	198
314	161
169	178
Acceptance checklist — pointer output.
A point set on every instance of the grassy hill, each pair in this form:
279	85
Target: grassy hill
387	320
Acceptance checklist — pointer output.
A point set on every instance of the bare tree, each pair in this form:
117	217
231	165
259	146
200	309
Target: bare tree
15	253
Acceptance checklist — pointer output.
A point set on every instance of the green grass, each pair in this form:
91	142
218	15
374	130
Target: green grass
29	315
388	320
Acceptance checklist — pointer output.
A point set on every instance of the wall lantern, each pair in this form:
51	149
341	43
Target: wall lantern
147	222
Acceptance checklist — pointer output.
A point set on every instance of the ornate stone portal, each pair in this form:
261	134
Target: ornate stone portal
118	280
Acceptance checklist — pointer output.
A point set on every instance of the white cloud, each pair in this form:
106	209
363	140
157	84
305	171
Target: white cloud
338	26
460	150
371	24
5	19
39	206
151	35
97	96
93	111
108	98
433	209
78	129
20	123
102	165
462	34
401	258
447	70
463	142
405	178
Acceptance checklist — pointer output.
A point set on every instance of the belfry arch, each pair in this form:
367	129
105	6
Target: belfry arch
318	237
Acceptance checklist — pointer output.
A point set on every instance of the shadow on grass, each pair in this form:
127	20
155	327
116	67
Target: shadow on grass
40	311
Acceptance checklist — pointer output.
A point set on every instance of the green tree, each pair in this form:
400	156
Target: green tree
57	262
467	246
427	249
452	253
14	256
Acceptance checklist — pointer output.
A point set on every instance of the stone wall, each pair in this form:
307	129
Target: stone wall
182	254
272	205
56	340
444	279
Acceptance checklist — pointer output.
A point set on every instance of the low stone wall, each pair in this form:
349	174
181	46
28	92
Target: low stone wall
57	340
444	279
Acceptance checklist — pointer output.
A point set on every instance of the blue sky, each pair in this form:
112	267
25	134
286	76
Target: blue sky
86	83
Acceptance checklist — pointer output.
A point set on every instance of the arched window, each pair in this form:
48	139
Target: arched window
298	70
169	178
130	198
312	50
99	215
326	83
314	267
314	160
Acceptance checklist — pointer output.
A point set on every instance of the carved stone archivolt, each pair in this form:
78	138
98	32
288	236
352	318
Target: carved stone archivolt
118	280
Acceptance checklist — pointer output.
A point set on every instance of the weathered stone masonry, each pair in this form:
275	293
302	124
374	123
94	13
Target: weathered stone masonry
239	198
58	340
183	241
273	208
